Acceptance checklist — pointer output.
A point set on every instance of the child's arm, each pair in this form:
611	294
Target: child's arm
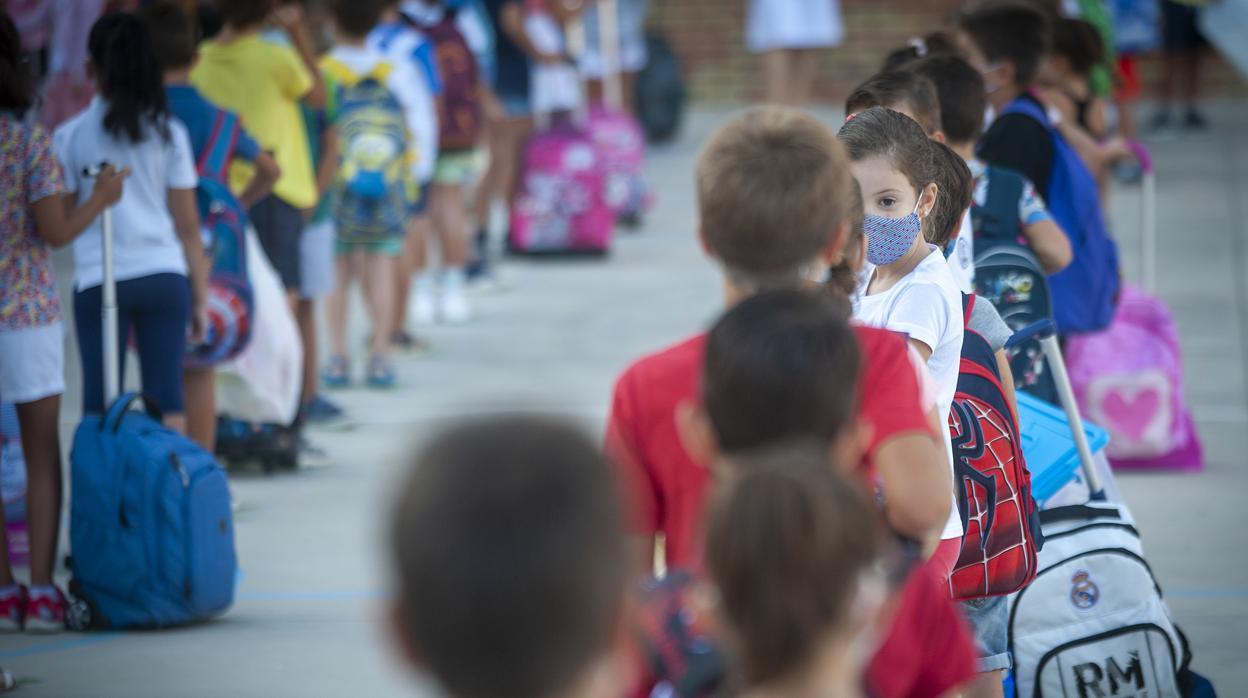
290	18
328	168
261	184
185	215
914	473
1007	381
511	21
1050	244
59	220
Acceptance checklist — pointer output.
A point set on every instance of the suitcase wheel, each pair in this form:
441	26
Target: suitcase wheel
81	615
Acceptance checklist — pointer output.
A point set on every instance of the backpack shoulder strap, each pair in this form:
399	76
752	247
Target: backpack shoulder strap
214	161
968	307
1005	188
1028	107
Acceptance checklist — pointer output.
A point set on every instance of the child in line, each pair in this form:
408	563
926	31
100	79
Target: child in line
399	39
988	616
752	402
778	223
36	214
960	89
530	571
158	255
173	41
460	123
377	118
264	83
792	547
910	288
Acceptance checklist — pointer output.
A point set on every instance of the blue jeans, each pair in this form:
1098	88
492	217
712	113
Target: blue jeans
158	310
989	619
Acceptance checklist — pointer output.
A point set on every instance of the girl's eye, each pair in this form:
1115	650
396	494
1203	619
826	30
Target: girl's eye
888	202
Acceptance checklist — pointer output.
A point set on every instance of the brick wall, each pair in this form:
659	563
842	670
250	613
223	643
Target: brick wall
709	37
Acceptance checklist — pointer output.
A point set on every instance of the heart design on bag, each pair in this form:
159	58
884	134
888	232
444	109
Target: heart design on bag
1137	410
1132	415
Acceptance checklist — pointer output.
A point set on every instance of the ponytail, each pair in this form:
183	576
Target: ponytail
788	541
129	77
17	85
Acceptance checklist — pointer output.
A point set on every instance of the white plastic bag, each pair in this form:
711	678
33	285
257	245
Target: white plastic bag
262	384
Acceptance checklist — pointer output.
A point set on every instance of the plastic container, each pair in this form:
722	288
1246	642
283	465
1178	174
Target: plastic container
1049	446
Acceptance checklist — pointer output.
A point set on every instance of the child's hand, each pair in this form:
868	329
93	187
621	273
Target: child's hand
199	325
108	185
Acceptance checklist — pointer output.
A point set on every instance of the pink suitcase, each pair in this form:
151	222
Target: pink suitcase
1129	377
561	204
622	146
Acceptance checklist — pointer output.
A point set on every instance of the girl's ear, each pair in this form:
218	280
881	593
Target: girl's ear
927	199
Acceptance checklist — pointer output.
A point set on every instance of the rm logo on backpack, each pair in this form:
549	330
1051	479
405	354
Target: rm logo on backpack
1083	591
1110	678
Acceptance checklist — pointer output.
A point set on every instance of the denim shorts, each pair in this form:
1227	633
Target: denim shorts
988	618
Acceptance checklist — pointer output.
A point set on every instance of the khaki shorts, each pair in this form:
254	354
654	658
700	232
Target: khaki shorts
457	167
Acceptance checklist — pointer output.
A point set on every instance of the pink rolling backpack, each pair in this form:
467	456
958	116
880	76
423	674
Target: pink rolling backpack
622	147
561	204
1129	377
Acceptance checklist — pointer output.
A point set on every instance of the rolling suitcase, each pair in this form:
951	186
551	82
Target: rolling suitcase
1138	395
151	529
1093	621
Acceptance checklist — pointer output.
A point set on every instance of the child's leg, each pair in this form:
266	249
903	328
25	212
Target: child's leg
338	305
447	210
802	81
199	388
161	307
518	130
411	266
379	287
777	69
491	185
305	316
41	445
90	331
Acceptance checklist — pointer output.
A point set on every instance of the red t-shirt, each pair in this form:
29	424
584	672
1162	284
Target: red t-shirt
928	649
666	488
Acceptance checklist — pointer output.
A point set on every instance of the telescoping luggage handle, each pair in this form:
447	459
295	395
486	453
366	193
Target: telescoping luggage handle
108	306
1046	332
1148	217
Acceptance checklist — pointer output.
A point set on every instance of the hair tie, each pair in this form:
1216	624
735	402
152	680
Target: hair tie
851	117
919	45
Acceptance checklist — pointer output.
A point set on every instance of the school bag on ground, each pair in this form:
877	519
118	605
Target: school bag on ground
1093	622
151	531
460	118
661	93
561	204
1138	394
373	182
230	304
1008	275
1084	293
990	478
616	133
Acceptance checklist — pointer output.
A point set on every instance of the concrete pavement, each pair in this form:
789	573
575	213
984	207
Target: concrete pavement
311	544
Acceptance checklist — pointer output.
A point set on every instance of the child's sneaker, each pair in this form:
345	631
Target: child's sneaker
380	373
45	613
422	305
455	308
336	373
13	603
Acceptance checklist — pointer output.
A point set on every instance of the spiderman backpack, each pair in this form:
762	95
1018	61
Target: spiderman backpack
993	487
230	304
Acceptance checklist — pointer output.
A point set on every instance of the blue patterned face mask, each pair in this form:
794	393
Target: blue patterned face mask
888	239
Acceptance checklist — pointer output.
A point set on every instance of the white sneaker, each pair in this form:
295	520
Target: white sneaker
422	308
455	308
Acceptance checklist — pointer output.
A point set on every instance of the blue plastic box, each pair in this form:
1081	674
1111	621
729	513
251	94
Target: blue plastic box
1049	446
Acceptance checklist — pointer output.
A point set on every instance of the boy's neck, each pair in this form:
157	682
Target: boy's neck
602	680
231	33
832	672
179	76
966	150
352	41
1003	96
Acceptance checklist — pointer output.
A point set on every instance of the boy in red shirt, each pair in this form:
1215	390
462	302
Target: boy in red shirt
775	194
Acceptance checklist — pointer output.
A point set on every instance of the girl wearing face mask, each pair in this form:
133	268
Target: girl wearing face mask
908	286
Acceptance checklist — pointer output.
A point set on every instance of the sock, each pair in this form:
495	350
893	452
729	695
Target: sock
8	592
44	591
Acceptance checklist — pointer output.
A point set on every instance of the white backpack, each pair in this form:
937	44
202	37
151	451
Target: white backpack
1093	624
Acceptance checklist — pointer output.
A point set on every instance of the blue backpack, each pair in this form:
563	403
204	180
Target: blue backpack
1084	293
150	525
231	303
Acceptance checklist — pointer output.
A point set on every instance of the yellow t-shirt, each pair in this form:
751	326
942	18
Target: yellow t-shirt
263	82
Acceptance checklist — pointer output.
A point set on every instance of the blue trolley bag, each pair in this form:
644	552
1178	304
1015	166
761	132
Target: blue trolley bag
151	530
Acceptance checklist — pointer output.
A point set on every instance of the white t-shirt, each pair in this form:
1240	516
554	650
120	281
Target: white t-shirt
145	241
962	258
927	306
409	83
554	86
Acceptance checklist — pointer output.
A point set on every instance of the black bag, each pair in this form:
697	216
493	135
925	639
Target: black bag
660	91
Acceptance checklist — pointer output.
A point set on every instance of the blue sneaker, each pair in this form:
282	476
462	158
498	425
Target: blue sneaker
380	373
321	410
336	373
